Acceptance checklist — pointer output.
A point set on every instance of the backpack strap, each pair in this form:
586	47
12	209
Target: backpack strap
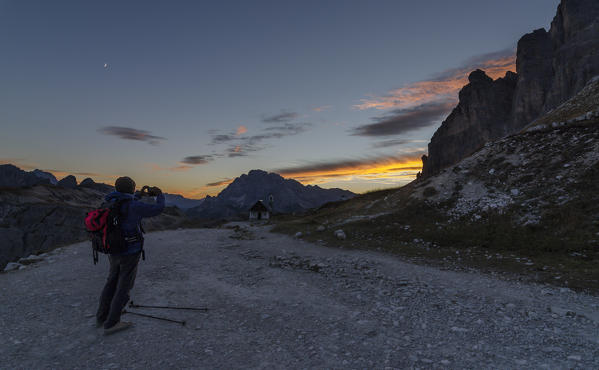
143	252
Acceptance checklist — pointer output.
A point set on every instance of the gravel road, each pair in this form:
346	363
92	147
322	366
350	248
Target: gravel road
278	302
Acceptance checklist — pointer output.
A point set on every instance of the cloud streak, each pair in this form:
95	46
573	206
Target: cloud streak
401	121
220	183
179	168
443	86
128	133
395	142
375	167
281	117
198	159
241	145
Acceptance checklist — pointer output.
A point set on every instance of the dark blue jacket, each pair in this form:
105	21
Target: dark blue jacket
134	211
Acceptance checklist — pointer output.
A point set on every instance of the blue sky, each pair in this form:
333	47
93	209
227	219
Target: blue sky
145	88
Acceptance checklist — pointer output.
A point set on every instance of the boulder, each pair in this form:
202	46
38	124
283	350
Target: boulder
12	266
340	234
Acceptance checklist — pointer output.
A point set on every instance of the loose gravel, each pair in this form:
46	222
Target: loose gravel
279	302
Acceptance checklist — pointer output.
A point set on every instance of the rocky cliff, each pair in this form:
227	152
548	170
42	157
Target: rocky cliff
552	66
289	196
479	117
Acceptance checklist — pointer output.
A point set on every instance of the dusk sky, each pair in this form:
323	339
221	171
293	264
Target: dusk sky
187	95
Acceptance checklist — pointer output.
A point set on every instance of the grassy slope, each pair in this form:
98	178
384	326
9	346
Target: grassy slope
415	221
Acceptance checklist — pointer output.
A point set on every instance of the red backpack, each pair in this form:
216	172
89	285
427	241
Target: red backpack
104	227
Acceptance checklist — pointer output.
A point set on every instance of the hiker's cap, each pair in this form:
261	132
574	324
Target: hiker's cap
125	185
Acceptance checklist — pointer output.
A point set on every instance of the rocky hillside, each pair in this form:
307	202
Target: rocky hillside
552	66
42	217
582	108
12	176
289	196
527	203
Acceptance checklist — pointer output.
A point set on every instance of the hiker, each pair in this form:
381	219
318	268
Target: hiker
123	266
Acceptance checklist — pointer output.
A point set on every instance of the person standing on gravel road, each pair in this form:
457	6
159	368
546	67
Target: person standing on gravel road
123	266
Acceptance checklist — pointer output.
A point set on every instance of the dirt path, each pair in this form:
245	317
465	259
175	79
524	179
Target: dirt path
276	302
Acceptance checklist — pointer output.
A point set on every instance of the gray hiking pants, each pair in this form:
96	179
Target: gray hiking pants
118	285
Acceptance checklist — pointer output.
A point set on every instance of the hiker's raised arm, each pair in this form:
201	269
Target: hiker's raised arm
149	210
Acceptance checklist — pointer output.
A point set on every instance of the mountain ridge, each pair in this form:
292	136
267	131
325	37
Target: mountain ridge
289	196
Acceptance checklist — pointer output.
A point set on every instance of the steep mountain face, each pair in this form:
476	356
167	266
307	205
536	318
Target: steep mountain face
548	168
13	177
289	196
479	117
552	66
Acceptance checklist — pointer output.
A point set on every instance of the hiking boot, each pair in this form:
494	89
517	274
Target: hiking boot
119	326
99	324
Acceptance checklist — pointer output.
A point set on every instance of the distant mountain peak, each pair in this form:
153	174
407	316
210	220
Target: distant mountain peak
288	195
258	173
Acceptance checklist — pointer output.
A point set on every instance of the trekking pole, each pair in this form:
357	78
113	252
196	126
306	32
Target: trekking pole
154	317
133	305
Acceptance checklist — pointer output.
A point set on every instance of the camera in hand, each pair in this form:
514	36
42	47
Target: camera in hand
150	191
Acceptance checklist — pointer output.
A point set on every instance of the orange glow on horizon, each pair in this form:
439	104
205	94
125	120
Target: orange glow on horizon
397	171
406	168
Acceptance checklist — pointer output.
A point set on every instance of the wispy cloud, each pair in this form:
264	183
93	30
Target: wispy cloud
445	85
323	108
179	168
281	117
222	138
395	142
400	121
128	133
241	150
282	130
198	159
220	183
241	145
